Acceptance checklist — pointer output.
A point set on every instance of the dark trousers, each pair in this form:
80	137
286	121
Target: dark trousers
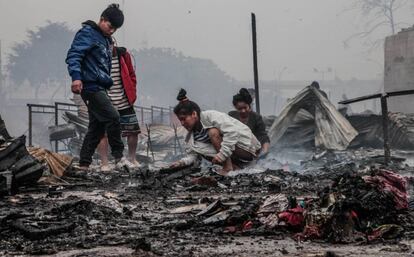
103	117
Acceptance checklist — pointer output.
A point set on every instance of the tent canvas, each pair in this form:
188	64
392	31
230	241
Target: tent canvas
332	130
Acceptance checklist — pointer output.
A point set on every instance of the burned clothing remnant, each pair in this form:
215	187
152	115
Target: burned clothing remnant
354	207
331	130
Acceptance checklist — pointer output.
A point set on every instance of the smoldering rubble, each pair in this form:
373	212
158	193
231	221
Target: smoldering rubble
330	196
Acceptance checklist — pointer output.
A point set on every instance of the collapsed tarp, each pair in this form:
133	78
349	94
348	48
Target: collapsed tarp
3	131
332	130
162	135
57	163
369	126
301	133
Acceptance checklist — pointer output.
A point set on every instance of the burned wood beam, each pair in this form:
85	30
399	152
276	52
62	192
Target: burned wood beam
30	125
384	110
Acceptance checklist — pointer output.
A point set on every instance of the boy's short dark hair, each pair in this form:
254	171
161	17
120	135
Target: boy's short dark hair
114	15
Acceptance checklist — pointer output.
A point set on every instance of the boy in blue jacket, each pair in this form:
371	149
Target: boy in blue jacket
89	65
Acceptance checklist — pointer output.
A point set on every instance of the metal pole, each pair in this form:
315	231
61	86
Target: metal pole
149	142
2	86
1	68
30	125
56	114
152	114
2	82
255	69
384	110
56	124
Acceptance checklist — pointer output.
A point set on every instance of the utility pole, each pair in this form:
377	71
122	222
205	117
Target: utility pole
255	69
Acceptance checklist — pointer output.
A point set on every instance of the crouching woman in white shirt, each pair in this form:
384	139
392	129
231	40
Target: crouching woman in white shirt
214	136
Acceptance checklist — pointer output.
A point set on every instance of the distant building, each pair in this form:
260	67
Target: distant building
399	69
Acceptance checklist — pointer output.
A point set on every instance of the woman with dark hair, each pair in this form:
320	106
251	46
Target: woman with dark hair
244	113
214	136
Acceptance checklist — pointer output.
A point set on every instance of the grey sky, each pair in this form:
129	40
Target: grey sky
297	34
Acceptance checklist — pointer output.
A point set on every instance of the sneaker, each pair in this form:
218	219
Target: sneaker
106	168
124	164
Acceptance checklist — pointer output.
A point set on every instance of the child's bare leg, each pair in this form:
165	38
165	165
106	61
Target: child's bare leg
103	151
132	147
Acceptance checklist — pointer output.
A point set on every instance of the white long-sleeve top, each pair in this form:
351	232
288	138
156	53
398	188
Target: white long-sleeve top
234	133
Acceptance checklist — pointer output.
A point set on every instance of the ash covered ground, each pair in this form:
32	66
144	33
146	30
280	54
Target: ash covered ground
325	206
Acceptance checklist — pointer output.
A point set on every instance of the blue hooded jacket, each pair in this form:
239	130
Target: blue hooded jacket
89	58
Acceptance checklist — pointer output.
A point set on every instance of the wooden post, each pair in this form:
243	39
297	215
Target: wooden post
384	111
30	124
149	142
56	124
255	69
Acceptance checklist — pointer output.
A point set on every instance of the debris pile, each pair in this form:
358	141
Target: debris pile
162	210
355	207
369	126
358	206
325	196
17	166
